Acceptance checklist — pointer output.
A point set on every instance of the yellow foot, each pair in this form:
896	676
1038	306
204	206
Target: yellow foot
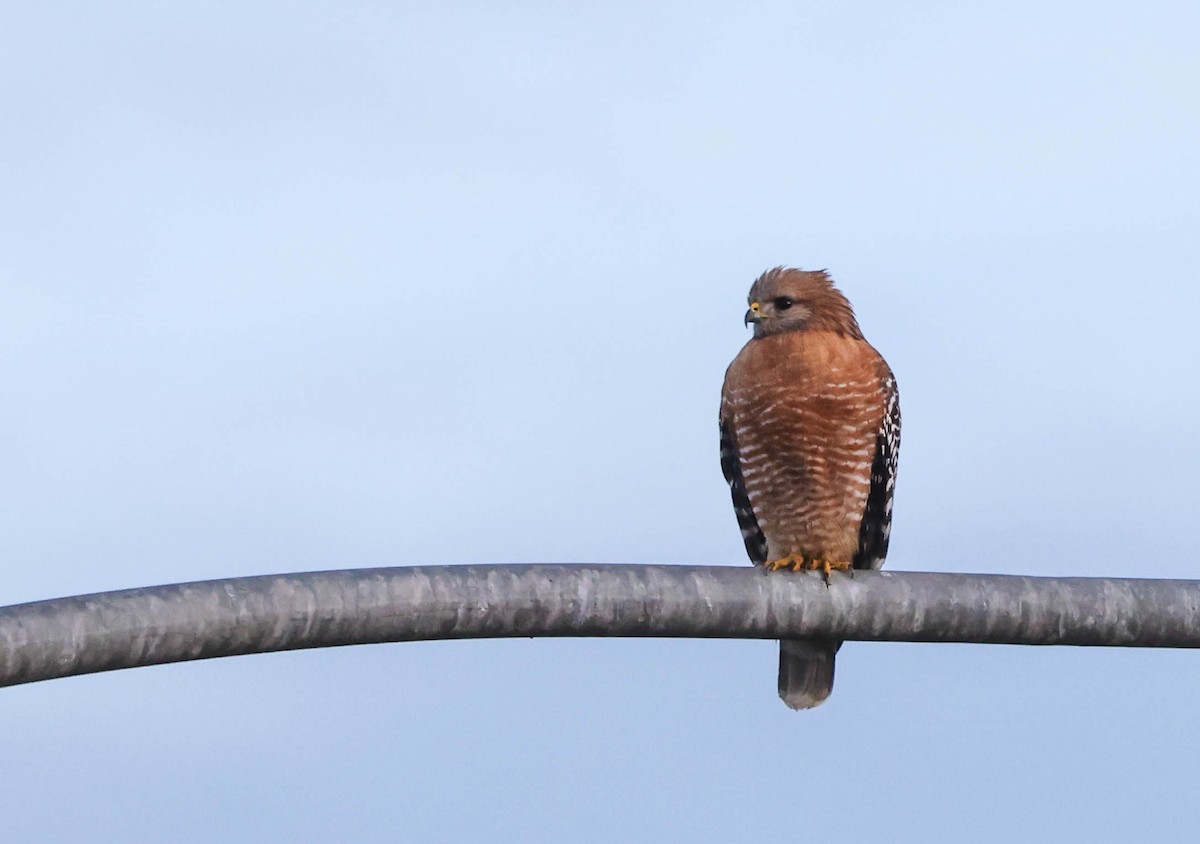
829	566
795	562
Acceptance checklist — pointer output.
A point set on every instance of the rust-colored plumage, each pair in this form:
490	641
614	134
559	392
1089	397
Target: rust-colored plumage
810	433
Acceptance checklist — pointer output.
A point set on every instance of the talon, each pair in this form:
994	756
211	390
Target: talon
795	562
828	567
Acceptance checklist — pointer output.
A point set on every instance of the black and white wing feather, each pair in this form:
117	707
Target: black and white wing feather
877	518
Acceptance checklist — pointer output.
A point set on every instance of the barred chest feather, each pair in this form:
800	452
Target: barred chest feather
806	411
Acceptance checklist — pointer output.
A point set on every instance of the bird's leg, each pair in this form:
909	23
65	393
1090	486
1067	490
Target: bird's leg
795	562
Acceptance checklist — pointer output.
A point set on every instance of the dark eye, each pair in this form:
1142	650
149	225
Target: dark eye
783	303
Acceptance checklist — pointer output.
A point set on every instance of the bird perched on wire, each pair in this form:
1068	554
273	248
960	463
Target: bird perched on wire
810	436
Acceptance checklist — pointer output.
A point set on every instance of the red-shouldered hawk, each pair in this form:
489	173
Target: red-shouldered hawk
810	436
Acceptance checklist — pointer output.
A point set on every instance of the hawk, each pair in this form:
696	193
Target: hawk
810	436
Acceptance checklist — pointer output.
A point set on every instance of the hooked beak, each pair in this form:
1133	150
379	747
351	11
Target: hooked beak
755	314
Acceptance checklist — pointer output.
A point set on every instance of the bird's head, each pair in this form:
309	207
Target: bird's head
785	299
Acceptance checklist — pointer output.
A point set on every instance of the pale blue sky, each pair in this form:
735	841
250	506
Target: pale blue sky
291	286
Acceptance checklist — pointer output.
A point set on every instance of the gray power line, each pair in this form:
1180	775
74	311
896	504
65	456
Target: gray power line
160	624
